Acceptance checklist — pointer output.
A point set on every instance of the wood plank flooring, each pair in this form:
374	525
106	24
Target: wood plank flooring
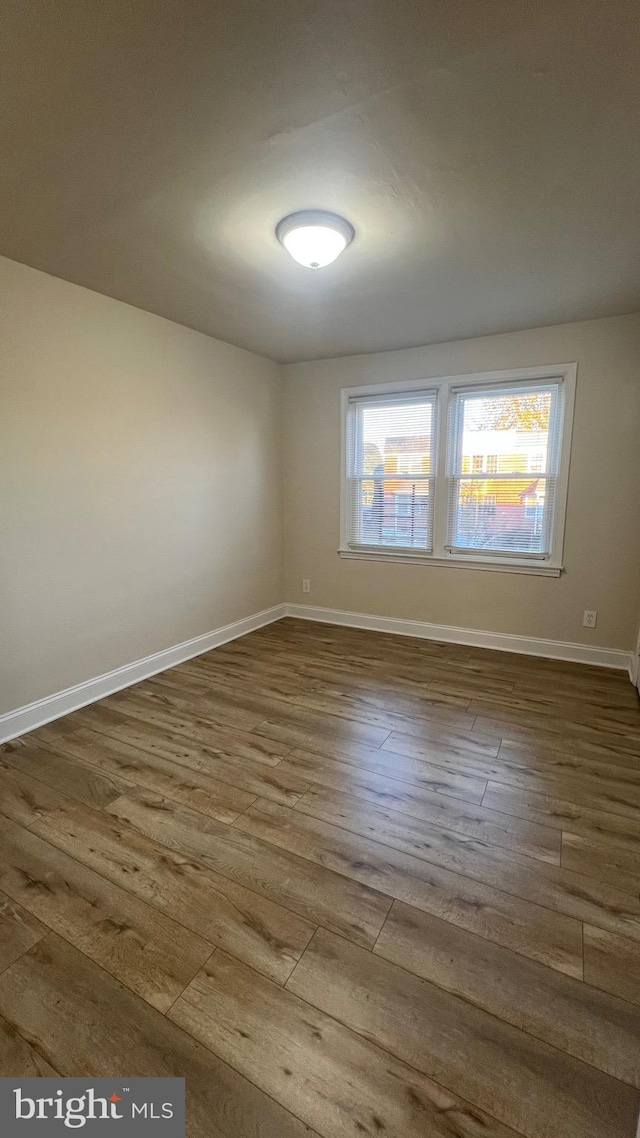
347	883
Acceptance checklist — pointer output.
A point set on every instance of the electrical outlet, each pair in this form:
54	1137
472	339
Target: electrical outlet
590	618
306	585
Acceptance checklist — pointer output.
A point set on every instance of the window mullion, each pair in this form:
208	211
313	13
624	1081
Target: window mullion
440	496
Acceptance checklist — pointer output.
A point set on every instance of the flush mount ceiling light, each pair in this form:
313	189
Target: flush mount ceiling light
313	237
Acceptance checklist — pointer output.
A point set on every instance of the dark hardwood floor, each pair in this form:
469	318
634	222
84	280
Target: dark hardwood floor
346	883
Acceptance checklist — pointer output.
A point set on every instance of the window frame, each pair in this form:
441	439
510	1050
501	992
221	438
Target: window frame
547	565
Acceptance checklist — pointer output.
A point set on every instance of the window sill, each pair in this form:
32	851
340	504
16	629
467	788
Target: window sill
483	564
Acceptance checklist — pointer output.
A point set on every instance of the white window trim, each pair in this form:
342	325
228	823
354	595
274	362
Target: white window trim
550	566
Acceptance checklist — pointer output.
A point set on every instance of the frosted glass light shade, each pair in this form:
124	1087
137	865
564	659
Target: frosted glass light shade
314	238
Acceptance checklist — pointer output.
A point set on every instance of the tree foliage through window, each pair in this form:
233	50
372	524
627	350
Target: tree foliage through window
372	461
518	412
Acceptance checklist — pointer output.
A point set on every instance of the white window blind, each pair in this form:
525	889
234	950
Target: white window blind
390	444
502	463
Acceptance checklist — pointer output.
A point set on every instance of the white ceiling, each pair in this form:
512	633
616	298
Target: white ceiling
486	152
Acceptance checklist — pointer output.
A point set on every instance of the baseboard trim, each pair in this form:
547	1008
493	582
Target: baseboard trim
61	703
42	711
475	638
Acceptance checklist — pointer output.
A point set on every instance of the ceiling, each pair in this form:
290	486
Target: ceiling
486	152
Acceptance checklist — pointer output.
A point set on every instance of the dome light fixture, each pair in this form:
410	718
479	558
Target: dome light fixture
314	237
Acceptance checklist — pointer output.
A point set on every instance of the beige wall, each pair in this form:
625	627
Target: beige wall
142	478
602	546
141	484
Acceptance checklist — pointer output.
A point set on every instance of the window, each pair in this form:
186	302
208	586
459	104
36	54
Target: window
470	471
391	442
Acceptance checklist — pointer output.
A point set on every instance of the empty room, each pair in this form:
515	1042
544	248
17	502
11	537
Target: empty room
320	573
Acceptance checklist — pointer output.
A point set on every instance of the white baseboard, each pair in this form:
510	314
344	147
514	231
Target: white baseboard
34	715
61	703
476	638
